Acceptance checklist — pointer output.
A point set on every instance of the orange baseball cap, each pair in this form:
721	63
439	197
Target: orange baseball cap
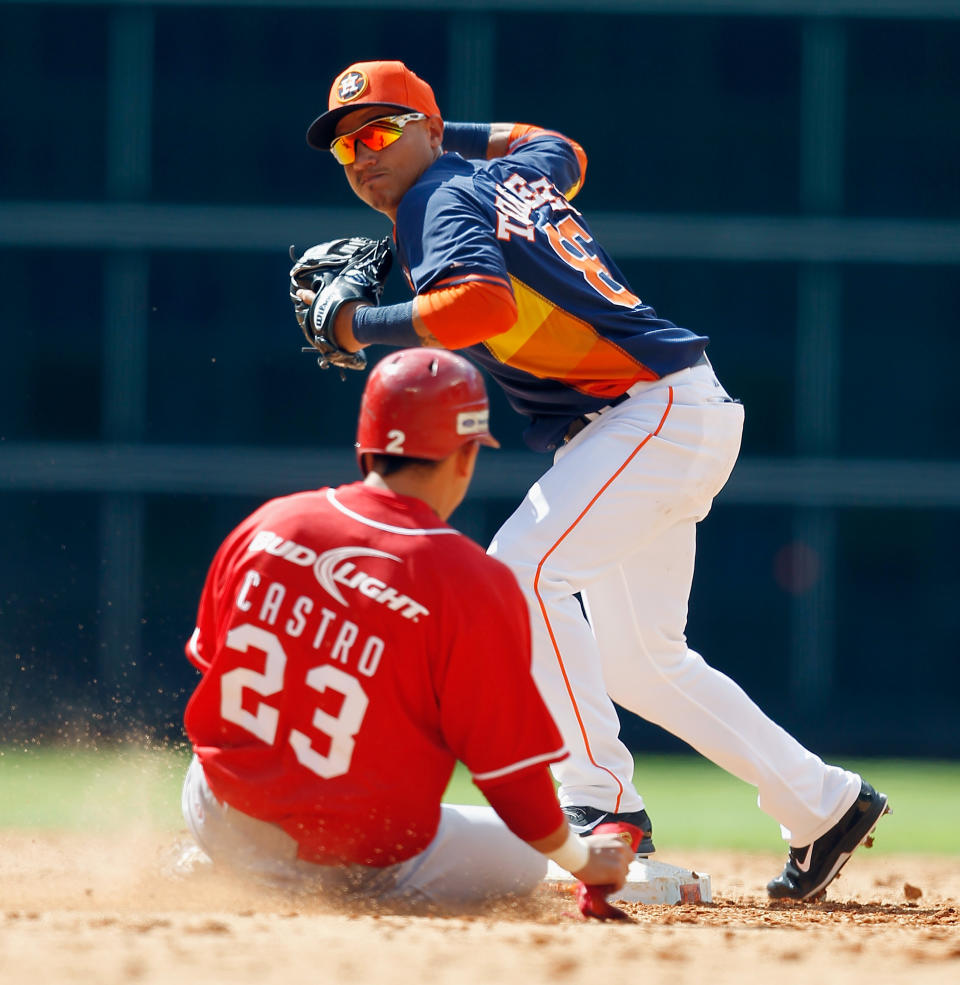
388	84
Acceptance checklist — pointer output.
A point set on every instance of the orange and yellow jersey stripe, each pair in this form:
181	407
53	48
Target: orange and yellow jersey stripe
535	336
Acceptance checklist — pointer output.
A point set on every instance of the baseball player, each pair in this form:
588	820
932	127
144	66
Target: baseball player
353	646
504	267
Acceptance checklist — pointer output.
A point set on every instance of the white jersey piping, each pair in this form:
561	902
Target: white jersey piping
193	645
386	526
547	757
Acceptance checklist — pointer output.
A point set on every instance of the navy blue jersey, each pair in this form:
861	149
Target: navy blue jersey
581	336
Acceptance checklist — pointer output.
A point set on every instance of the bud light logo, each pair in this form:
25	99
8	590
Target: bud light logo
337	569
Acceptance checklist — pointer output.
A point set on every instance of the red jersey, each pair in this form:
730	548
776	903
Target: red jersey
353	647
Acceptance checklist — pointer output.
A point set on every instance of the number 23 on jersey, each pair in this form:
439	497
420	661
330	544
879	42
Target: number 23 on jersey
341	729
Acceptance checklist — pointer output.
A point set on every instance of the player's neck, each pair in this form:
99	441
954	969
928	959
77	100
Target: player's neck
413	483
442	486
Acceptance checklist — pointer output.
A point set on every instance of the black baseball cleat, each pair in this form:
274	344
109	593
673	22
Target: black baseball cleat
809	870
584	819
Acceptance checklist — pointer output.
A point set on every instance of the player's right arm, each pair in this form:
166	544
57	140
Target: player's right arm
495	721
607	856
526	802
498	142
490	140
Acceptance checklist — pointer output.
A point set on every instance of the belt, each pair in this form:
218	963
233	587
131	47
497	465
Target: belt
579	423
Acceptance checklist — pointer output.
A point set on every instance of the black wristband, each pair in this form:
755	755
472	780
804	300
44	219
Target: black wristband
469	140
389	325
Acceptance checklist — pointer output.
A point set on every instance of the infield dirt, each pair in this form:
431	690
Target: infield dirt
89	910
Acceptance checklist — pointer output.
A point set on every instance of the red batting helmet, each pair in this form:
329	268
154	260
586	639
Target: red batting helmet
423	403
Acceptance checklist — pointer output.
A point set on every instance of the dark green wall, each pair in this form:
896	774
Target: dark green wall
690	115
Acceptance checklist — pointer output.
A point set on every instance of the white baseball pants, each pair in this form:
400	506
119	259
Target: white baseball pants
615	519
473	857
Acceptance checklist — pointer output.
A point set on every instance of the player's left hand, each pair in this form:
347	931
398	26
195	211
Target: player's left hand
328	276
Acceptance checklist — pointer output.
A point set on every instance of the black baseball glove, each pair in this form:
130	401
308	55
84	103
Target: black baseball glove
338	271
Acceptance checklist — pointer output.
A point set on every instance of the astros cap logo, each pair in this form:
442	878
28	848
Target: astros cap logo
350	85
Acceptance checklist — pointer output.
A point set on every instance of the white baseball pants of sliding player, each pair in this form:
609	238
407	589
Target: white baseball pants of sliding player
473	857
615	519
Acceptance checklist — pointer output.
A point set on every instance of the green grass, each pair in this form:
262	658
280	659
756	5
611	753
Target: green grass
83	789
694	804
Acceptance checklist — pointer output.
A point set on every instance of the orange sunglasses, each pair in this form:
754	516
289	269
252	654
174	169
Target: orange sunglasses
376	135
